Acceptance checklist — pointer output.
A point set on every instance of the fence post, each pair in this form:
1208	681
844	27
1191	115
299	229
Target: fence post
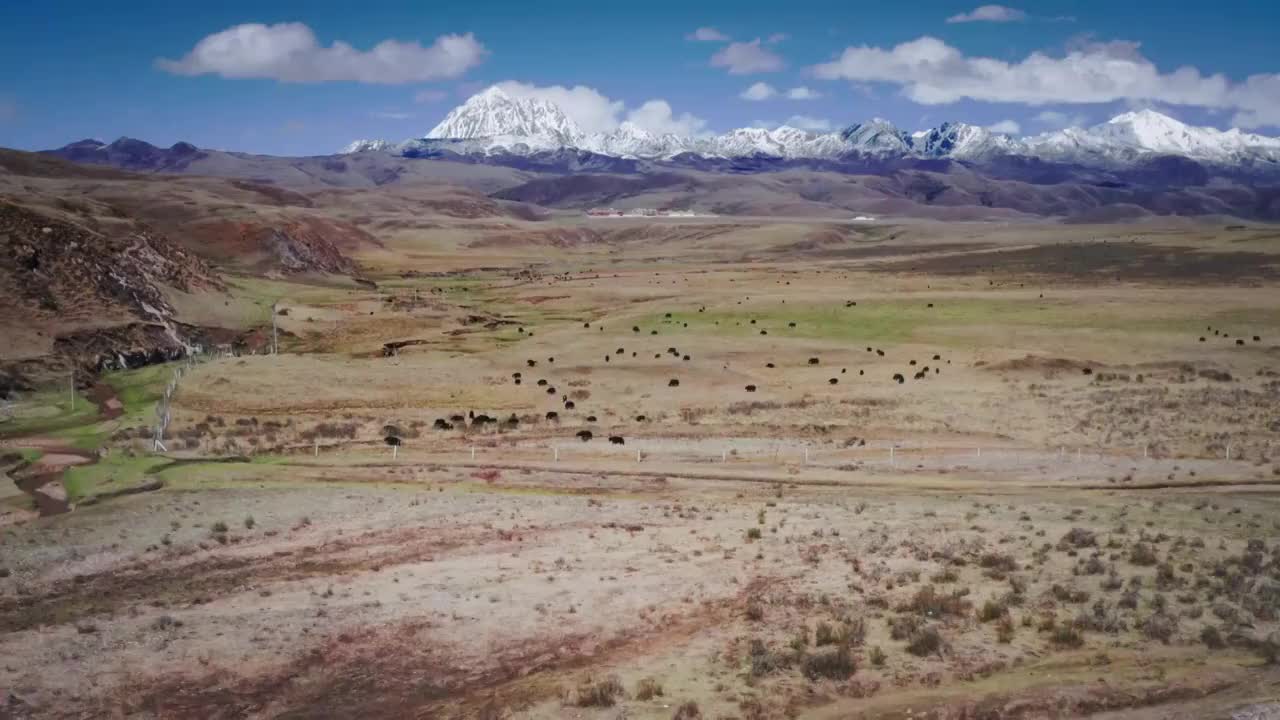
891	454
637	454
315	446
473	452
395	451
1228	450
806	454
555	449
724	456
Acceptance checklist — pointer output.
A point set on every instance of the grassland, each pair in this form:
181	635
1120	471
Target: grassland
1059	507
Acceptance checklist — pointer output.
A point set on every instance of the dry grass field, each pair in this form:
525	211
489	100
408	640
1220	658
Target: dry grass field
667	469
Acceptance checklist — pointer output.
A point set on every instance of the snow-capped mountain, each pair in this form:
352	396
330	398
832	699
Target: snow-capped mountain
494	113
1133	135
495	122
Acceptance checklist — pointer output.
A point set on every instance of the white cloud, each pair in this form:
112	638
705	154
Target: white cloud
931	72
290	52
744	58
989	13
1058	120
656	117
802	93
584	105
593	111
1006	127
429	96
707	34
390	115
776	38
807	122
758	91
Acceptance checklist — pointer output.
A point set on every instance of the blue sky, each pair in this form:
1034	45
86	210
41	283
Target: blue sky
77	69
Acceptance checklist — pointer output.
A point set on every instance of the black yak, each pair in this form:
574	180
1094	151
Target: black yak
813	361
751	388
673	383
591	418
617	440
584	435
833	381
898	377
553	415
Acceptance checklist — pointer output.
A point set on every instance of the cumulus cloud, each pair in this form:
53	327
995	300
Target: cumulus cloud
594	111
758	91
745	58
1005	127
656	117
802	93
290	52
810	123
707	34
989	13
931	72
390	115
588	107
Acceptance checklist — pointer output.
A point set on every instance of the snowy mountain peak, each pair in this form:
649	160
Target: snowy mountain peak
496	113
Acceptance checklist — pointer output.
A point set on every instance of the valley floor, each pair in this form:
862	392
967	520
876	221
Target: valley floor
1067	506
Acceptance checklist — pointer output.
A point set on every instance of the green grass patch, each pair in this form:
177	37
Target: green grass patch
48	411
899	321
115	472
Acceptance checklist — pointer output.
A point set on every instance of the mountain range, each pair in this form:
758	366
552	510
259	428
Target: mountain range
496	123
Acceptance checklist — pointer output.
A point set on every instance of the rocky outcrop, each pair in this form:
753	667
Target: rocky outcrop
95	297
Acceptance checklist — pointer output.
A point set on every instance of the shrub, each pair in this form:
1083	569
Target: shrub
1159	626
1143	554
904	626
755	611
1066	636
249	522
599	693
219	528
753	534
1078	538
834	663
1005	630
764	661
1212	638
1065	594
824	634
926	641
876	656
648	688
945	575
928	601
992	610
997	563
688	710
